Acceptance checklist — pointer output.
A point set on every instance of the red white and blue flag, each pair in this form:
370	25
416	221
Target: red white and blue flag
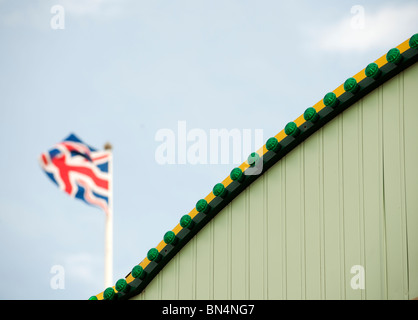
79	170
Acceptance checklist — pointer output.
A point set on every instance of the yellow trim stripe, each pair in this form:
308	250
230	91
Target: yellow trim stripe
263	150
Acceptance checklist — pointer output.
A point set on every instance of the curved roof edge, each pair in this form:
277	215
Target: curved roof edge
335	102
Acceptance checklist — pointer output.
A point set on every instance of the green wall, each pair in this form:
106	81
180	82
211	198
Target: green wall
346	196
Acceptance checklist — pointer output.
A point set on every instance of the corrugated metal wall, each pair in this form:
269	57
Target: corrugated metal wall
346	196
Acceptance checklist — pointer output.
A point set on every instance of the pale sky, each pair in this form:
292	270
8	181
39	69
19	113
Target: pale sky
120	71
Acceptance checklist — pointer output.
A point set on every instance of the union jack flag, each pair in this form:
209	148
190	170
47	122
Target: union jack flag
79	170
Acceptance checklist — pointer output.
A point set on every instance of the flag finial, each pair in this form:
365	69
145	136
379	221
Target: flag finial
108	146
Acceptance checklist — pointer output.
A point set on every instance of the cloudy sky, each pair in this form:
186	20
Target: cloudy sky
122	71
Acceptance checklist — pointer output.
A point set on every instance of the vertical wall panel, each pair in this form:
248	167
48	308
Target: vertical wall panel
410	118
186	271
153	291
346	196
169	280
222	255
239	250
333	233
293	225
351	199
204	263
374	221
393	198
275	233
313	253
256	239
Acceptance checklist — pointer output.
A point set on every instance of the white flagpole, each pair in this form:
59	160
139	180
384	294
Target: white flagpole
108	268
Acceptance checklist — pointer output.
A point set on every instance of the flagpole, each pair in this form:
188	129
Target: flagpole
108	267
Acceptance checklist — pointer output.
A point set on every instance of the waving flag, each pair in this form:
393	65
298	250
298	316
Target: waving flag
79	170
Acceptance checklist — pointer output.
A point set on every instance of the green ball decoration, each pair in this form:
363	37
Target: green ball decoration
202	206
373	71
138	272
121	285
413	41
291	129
330	100
170	237
394	56
219	190
109	294
310	114
154	255
273	144
351	85
186	221
237	175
